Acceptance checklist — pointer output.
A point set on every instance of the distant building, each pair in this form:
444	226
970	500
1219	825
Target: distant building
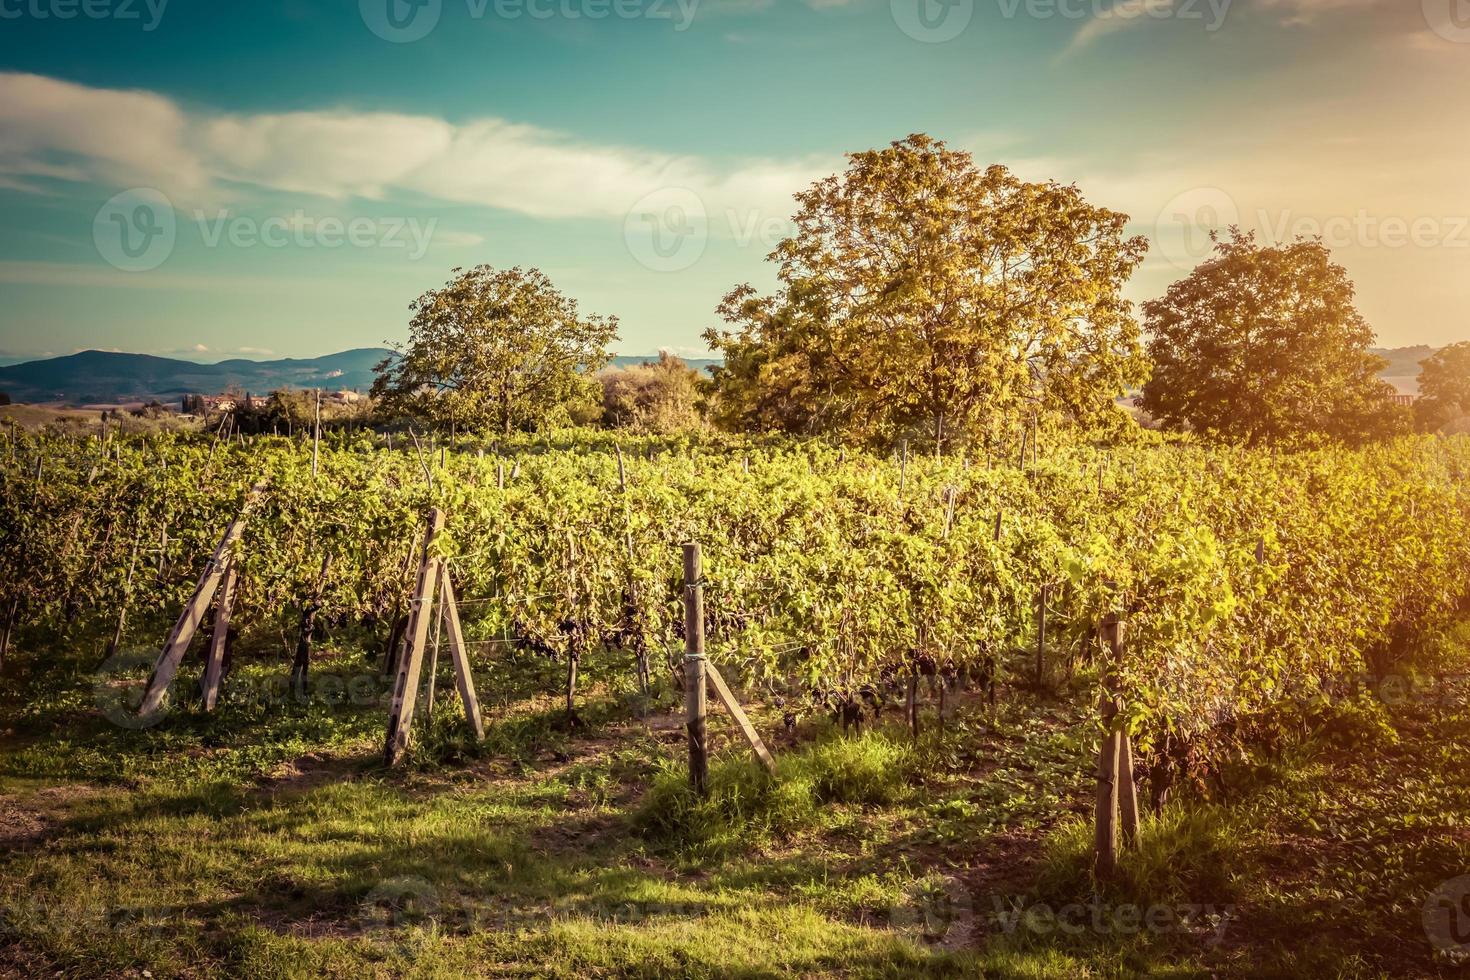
1405	400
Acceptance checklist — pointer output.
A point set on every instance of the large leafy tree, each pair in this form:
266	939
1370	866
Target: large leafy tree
923	298
1444	387
495	349
1264	344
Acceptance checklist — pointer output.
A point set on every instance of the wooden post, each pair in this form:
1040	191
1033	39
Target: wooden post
463	679
912	705
188	623
903	468
434	650
722	691
694	668
949	497
302	662
9	628
214	668
998	515
1105	848
1041	634
1261	550
316	434
1112	638
1116	793
406	684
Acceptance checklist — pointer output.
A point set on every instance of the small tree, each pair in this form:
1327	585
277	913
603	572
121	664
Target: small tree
923	298
1444	387
495	349
291	409
660	396
1264	344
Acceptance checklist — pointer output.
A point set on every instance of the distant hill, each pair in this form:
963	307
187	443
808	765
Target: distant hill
1403	366
104	378
101	377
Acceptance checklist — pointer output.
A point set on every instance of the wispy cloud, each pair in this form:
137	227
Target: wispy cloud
58	130
1128	13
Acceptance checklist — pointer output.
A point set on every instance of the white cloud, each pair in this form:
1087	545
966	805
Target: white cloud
1121	14
57	130
1127	13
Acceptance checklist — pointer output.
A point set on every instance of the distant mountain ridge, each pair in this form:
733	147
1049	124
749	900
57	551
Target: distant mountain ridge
96	377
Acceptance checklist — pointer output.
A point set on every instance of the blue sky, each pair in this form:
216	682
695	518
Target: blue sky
305	169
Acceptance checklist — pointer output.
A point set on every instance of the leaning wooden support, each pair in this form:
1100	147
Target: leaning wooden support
410	664
214	668
188	624
462	677
722	691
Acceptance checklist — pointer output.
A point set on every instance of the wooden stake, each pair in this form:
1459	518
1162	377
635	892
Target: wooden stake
434	650
302	662
406	685
1105	846
1112	638
1109	764
9	628
462	676
316	434
214	667
188	623
722	691
694	668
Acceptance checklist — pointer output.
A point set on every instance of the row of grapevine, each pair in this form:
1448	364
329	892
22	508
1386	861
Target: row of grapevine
1243	575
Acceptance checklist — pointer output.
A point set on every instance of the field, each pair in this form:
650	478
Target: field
1289	677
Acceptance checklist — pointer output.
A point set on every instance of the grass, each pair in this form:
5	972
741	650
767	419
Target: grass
268	841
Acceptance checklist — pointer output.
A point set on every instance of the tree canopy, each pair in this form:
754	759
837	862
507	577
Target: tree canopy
495	349
923	298
655	396
1444	387
1265	344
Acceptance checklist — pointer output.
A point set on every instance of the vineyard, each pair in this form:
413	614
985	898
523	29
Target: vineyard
862	596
